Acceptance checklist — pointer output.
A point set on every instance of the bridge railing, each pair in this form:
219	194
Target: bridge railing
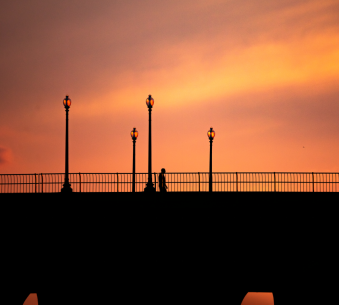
176	182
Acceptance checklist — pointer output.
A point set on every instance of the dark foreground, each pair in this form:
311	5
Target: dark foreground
95	248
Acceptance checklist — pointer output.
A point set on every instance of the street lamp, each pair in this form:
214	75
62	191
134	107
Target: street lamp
134	135
149	186
211	135
66	186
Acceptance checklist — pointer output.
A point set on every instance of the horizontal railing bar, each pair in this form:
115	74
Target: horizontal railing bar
143	173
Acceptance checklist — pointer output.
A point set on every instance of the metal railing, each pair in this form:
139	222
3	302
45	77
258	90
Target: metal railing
176	182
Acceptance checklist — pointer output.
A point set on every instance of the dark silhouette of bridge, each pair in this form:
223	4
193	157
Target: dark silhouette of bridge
101	248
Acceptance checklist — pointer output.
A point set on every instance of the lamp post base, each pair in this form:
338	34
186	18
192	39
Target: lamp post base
149	188
66	188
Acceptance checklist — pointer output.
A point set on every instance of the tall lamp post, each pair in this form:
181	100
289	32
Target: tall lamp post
134	135
149	186
66	186
211	135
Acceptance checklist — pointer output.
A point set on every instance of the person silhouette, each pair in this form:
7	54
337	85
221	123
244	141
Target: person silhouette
161	181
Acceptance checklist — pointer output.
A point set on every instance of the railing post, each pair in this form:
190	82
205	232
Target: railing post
199	182
313	180
79	183
35	182
236	183
42	183
274	183
155	180
117	182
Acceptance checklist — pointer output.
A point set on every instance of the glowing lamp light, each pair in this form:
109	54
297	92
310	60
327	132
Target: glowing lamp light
211	134
134	134
67	102
150	101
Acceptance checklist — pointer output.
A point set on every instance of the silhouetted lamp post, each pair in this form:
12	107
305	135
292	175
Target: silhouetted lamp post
134	135
66	186
211	135
149	186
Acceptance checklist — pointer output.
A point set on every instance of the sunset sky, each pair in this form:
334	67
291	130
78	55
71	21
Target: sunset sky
264	74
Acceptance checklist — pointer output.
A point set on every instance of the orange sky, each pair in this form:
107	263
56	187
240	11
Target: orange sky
252	298
264	74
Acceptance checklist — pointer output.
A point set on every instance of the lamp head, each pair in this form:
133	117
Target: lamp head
67	102
134	134
150	101
211	134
